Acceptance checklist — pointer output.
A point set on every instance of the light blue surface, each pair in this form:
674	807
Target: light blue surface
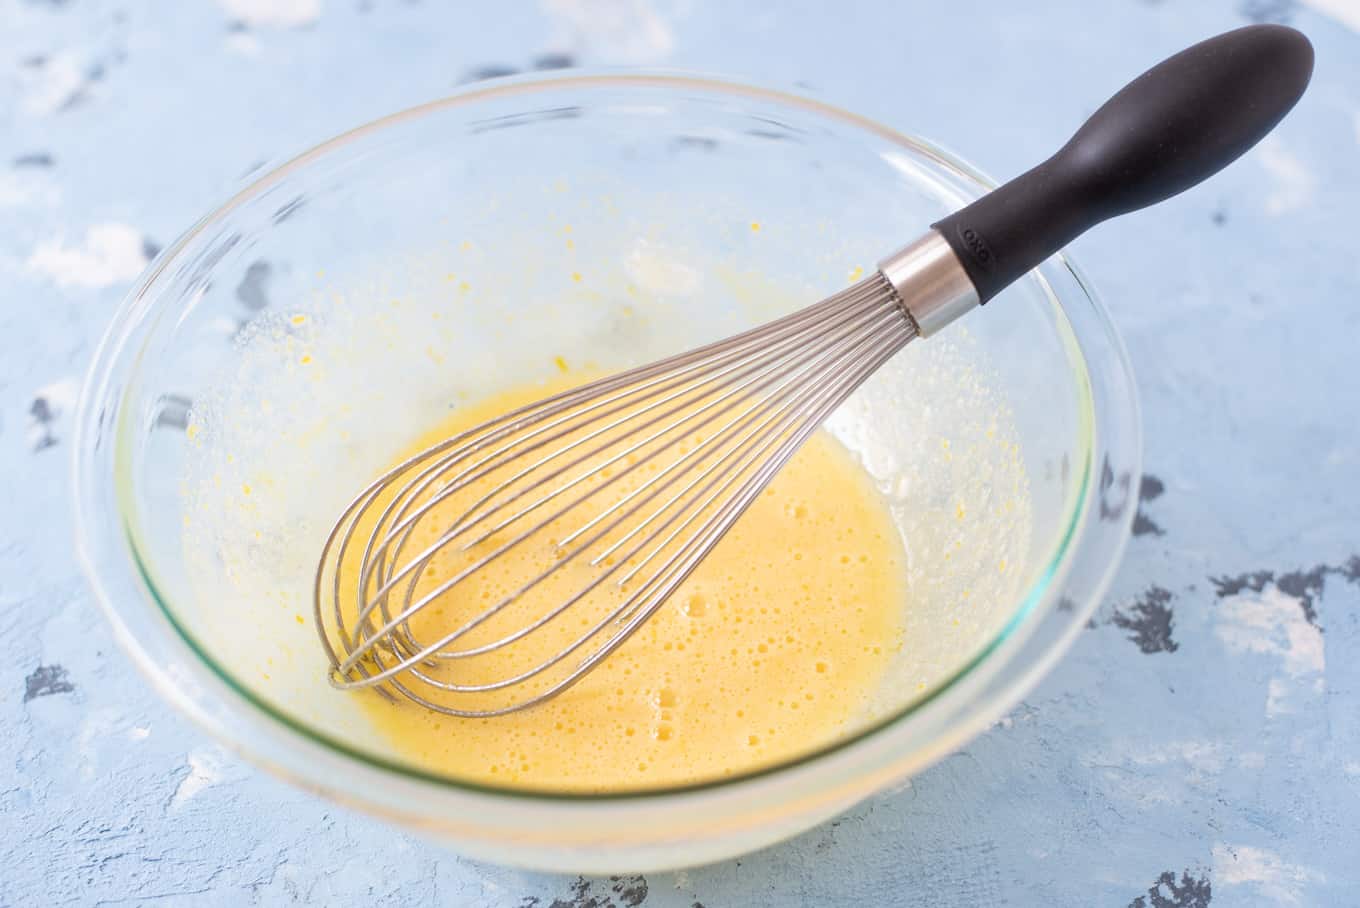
1205	731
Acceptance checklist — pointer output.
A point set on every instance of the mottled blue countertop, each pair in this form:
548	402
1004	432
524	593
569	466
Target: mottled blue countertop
1201	742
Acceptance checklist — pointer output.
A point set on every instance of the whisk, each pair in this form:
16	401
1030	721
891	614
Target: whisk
615	491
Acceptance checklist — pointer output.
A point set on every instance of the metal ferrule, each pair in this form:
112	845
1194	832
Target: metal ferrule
930	283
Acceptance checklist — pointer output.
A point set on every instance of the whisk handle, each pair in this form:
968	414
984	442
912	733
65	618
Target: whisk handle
1175	125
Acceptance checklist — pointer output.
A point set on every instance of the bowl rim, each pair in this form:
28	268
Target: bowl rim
112	349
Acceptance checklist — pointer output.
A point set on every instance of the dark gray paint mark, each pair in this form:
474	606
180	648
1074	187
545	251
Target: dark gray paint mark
172	411
44	416
36	159
1119	486
207	263
1149	621
489	71
94	73
769	134
616	892
1143	526
1190	892
697	143
631	890
1065	604
150	248
1305	585
1150	489
1219	217
77	98
47	680
1278	11
534	116
289	208
253	291
554	61
33	61
236	26
779	126
1231	586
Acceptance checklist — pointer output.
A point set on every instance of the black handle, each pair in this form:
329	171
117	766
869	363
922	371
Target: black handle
1175	125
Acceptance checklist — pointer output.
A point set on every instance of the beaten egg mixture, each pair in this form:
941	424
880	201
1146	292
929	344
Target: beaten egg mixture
769	649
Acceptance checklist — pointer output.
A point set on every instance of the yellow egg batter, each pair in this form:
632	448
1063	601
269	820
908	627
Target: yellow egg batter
768	649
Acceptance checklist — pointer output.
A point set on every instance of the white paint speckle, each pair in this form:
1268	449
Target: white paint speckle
1293	184
110	254
1345	11
1205	756
1251	760
205	769
60	395
618	31
138	733
272	13
51	85
1282	696
1272	622
59	399
95	728
1352	768
1273	878
1200	759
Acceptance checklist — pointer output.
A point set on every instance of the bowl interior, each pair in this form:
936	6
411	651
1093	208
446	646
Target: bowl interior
297	339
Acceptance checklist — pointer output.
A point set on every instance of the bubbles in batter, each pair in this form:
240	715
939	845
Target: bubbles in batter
769	649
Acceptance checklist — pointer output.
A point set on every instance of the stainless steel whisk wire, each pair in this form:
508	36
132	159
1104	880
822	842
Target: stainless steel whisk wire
782	379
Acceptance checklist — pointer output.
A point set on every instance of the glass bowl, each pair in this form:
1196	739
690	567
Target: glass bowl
297	328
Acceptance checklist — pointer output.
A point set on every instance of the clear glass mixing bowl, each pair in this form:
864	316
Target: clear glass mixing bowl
529	214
